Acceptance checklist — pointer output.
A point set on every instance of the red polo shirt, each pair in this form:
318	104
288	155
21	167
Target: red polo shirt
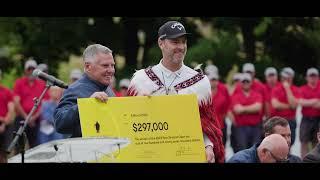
279	93
27	92
220	102
247	119
307	92
117	93
6	96
268	96
256	86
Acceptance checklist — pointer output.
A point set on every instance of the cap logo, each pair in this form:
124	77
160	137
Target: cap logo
178	25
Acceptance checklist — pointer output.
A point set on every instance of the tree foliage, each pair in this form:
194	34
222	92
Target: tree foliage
229	41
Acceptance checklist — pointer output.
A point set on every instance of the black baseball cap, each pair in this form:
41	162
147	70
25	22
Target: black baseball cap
171	30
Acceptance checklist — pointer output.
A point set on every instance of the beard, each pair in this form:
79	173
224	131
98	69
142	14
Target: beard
178	57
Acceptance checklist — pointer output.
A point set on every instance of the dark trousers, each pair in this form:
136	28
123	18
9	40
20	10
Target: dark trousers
293	126
224	132
243	137
31	132
5	140
308	129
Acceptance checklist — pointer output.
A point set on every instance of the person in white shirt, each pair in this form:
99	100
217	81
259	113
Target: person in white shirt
171	76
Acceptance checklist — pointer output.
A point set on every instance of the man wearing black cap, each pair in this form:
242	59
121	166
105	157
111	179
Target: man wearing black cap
171	76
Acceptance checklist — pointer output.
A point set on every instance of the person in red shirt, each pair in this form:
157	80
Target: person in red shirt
285	99
25	90
257	85
236	80
6	120
220	98
271	76
310	100
246	106
123	85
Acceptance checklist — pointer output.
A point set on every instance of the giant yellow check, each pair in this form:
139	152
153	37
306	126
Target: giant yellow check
160	128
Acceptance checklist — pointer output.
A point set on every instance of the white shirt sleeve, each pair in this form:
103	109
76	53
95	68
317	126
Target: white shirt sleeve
207	141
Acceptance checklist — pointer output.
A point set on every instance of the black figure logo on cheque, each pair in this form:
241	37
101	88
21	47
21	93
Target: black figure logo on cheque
97	126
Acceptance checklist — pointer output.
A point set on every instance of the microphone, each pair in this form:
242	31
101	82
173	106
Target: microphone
47	77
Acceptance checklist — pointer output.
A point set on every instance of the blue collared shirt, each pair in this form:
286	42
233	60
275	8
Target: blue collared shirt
66	115
246	156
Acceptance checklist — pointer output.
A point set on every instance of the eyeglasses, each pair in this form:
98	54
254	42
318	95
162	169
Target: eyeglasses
269	75
30	68
286	160
313	75
245	81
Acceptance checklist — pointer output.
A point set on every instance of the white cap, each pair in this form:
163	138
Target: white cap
75	74
124	83
237	76
246	76
43	67
248	67
287	72
30	63
213	75
311	71
270	70
211	69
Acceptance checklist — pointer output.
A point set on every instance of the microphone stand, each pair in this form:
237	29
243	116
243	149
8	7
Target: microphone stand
20	137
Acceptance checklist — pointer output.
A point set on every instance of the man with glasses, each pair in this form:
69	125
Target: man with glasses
246	107
310	102
272	149
279	125
257	85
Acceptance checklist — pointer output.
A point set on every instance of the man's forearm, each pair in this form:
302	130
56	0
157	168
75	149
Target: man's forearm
207	141
293	103
254	108
10	114
279	105
65	119
308	102
317	105
19	108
